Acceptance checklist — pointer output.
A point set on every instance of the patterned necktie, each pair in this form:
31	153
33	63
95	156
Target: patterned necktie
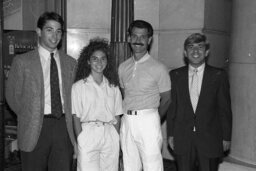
56	105
194	93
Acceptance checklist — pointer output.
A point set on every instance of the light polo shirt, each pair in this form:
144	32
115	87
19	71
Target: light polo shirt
143	81
91	102
200	74
45	60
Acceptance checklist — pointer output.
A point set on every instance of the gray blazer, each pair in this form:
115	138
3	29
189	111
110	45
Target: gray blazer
25	95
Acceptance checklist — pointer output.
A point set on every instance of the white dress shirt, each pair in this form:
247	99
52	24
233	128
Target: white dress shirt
200	74
45	59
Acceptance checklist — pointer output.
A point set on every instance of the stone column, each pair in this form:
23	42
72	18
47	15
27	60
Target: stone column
121	16
242	70
2	145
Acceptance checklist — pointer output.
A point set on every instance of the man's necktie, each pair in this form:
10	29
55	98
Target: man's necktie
56	104
194	92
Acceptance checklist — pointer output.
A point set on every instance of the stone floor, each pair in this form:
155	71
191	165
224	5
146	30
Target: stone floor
171	166
227	166
168	166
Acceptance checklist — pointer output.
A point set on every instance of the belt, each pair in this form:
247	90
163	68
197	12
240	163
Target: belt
136	112
51	116
131	112
99	122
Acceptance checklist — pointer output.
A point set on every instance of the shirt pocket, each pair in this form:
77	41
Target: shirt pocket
110	99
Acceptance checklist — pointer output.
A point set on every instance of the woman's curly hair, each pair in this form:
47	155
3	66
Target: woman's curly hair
84	69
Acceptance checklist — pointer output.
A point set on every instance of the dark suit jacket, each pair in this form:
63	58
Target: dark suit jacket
213	116
25	95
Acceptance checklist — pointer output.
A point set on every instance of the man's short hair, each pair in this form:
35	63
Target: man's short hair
50	16
142	25
196	38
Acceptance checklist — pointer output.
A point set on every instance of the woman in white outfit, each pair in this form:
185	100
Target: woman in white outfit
96	106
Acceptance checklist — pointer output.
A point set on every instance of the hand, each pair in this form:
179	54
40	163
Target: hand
75	151
226	145
171	143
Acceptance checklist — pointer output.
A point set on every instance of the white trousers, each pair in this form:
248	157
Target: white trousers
141	141
98	147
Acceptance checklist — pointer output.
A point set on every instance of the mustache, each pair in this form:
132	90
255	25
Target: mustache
141	44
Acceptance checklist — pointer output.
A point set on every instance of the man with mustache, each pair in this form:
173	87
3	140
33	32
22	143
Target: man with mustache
145	85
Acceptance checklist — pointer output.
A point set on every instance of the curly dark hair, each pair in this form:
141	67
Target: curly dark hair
84	69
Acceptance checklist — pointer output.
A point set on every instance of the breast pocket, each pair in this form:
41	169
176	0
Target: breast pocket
110	99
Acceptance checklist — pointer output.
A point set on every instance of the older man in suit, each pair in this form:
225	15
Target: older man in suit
199	118
39	92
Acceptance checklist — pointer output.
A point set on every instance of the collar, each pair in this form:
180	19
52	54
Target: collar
199	69
90	79
143	59
44	53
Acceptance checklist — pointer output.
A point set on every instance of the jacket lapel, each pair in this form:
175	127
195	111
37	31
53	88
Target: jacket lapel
36	68
205	83
64	74
36	72
183	82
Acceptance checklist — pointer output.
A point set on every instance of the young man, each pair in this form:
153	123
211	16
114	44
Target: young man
146	88
39	92
199	118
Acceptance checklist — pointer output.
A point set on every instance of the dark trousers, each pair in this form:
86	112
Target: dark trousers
194	161
53	151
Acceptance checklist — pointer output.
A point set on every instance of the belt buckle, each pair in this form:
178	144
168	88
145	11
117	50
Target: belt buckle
194	128
98	123
131	112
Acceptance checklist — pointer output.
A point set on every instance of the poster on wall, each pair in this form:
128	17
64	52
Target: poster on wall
16	42
11	6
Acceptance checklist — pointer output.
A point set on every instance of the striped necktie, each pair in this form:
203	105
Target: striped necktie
194	92
56	104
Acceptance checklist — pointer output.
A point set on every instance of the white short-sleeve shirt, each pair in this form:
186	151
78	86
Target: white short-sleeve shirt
143	81
91	102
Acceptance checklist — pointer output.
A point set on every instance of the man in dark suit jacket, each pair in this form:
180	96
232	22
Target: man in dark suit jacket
199	118
46	140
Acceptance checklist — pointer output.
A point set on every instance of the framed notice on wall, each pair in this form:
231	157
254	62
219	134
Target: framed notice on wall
16	42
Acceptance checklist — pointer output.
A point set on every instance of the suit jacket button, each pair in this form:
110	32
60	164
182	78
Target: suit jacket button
194	128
